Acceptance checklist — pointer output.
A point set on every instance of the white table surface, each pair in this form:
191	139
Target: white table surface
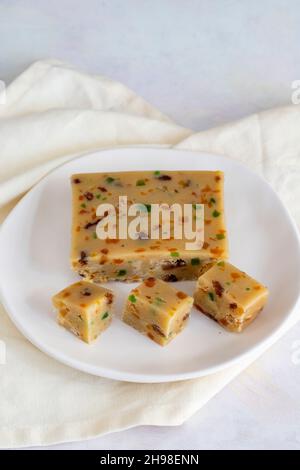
203	63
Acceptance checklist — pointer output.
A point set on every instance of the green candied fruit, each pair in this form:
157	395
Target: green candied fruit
95	235
221	263
105	315
216	213
110	179
122	272
220	236
175	254
212	200
157	173
211	296
140	183
132	298
83	205
195	261
148	207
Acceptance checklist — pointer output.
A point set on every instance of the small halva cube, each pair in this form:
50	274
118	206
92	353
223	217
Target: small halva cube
158	310
229	296
85	309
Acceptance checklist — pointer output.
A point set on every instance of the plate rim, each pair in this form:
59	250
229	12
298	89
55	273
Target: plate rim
83	366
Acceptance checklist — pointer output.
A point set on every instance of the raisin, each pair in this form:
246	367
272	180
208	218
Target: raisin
83	259
157	329
109	297
86	292
186	316
218	288
170	278
91	224
101	188
178	263
76	181
89	196
233	306
165	178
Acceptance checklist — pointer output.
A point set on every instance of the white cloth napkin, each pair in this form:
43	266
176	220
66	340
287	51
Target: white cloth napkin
53	112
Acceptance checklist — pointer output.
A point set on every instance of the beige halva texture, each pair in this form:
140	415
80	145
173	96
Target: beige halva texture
134	260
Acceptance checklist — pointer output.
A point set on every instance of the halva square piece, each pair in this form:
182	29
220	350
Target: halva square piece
157	310
229	296
136	259
85	309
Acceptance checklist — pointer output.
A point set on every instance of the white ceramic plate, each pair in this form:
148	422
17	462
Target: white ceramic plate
34	264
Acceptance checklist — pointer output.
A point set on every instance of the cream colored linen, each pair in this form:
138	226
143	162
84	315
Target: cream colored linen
52	113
